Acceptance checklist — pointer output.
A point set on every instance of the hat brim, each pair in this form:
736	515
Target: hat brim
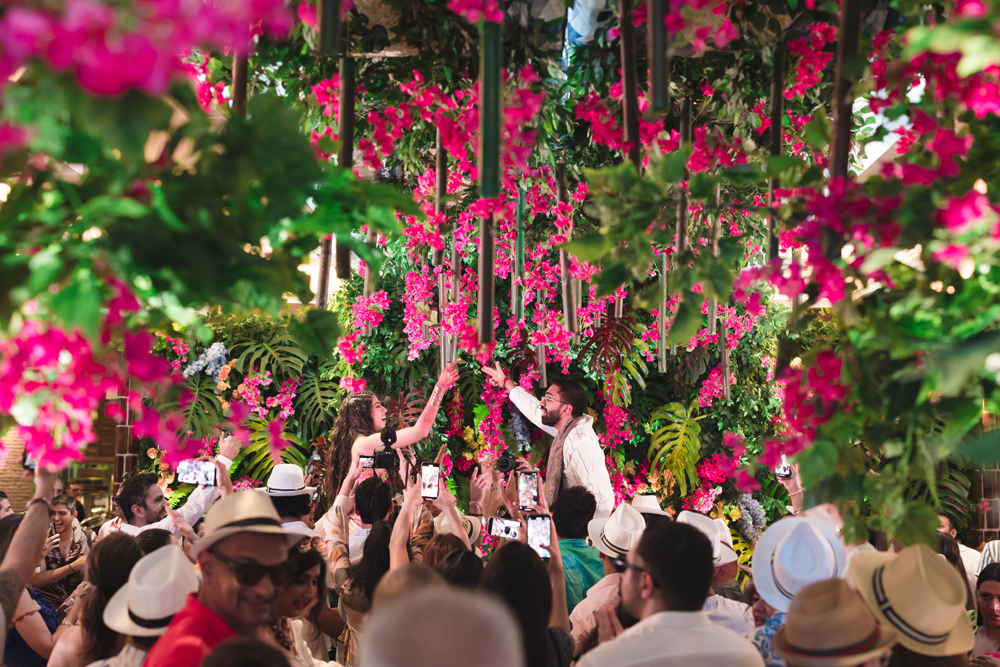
727	555
887	639
862	568
650	510
214	538
595	530
116	616
306	491
763	577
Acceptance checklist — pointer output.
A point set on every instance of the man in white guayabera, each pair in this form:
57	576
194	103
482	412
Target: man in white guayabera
575	457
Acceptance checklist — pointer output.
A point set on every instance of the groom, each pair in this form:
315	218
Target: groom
575	458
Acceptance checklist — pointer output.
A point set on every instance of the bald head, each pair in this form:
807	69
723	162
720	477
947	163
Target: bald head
402	581
481	631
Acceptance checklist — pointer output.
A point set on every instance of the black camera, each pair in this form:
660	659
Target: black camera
506	463
388	458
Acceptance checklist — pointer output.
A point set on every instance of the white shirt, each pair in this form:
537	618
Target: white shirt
675	638
300	528
970	560
583	458
197	504
130	656
729	613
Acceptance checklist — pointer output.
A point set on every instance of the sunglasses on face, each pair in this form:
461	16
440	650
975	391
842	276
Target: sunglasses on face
249	574
623	564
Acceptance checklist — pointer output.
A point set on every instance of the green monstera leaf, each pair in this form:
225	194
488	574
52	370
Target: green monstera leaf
676	446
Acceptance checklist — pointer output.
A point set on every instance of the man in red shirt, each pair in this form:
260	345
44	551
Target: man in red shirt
242	558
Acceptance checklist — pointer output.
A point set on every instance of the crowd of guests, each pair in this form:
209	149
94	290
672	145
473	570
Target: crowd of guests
388	578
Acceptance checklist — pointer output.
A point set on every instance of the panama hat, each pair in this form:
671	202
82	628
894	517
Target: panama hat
287	480
473	525
920	595
157	588
722	552
793	553
243	512
829	625
617	534
648	505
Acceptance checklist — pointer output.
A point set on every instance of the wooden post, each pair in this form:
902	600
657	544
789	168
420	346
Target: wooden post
843	103
568	299
777	115
631	86
239	91
328	18
659	57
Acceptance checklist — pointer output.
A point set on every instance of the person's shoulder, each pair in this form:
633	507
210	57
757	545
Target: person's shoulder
178	650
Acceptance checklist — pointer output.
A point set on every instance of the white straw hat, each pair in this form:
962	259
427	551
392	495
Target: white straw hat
156	590
242	512
287	480
617	534
919	594
722	552
648	505
793	553
473	525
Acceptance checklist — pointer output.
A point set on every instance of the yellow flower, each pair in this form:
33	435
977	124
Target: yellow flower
736	514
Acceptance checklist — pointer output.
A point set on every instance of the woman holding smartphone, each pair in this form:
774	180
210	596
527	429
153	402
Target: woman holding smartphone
361	418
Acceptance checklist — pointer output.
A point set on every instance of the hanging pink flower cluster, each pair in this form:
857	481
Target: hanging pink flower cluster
716	469
701	499
617	429
353	385
812	58
420	289
249	390
348	350
713	387
474	11
455	414
52	383
286	394
550	332
109	56
208	93
179	347
370	311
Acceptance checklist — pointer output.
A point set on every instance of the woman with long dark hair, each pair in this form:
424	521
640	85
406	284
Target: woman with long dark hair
361	418
108	567
988	603
301	600
536	593
948	547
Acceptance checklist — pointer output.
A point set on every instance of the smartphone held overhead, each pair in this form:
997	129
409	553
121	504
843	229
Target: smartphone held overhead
193	471
506	528
783	470
540	534
527	490
430	475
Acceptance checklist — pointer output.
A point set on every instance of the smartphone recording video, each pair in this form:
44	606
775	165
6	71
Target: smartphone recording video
504	528
430	475
527	490
539	534
200	473
784	470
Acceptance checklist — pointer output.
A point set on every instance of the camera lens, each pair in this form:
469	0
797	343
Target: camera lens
505	463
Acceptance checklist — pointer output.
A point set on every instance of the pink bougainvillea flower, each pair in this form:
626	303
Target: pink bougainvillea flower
142	364
726	33
961	213
307	14
971	8
353	385
276	438
745	482
952	255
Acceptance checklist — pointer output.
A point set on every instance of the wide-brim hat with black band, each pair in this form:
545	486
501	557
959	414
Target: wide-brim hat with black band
918	593
157	588
793	553
287	480
829	625
617	534
718	535
243	512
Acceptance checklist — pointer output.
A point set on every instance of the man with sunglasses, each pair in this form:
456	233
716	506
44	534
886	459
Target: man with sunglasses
664	584
242	558
575	457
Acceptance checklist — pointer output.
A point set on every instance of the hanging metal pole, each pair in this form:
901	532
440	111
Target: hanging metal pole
682	207
661	317
659	56
714	234
370	277
345	160
727	373
543	380
239	91
486	280
843	103
631	86
328	18
491	64
777	115
517	275
441	181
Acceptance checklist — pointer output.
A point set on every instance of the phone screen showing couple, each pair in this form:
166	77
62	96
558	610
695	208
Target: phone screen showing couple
430	475
539	534
200	473
505	528
527	489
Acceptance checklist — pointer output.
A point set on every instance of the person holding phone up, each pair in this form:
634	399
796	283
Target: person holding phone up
144	506
575	457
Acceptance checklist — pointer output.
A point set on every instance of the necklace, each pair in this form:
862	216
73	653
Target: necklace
282	634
